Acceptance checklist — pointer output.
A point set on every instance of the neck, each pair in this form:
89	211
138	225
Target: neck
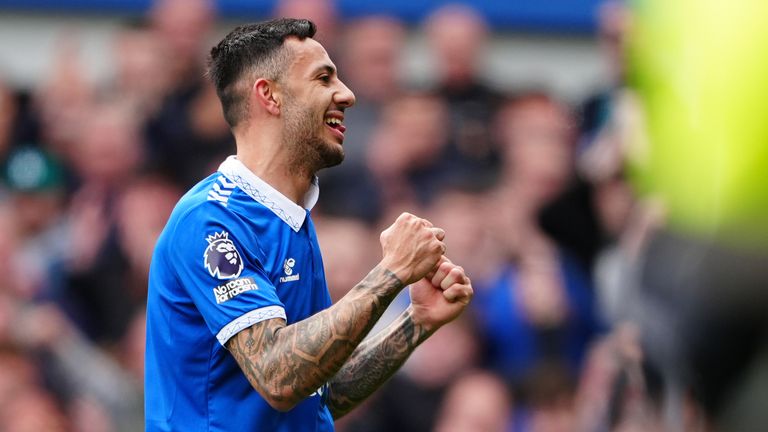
264	154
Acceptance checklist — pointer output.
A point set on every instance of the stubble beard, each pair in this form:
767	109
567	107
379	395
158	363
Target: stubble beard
308	151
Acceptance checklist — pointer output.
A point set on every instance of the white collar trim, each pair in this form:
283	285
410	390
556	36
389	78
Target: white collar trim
269	197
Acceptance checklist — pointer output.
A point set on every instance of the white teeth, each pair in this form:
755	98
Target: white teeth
333	121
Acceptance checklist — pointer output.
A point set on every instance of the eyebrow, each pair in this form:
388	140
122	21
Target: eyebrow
324	68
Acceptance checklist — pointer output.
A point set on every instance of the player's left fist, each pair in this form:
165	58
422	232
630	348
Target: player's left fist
441	296
452	280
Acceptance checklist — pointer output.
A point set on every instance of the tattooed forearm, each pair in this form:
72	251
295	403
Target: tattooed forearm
373	363
285	364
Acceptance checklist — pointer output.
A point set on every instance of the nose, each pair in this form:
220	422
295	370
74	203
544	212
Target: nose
344	96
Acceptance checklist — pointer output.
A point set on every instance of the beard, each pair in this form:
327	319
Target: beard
308	151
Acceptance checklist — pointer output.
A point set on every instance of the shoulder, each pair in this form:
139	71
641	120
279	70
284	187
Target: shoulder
195	206
211	205
214	200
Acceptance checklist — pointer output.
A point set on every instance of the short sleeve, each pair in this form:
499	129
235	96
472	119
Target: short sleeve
217	263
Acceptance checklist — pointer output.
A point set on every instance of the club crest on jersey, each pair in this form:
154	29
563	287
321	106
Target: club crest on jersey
221	258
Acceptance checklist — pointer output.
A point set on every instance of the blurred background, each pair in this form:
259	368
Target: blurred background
601	176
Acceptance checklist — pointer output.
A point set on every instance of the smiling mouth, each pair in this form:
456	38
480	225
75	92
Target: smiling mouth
336	126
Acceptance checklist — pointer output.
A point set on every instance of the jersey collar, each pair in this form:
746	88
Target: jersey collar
269	197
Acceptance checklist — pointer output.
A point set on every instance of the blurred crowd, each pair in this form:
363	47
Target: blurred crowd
530	190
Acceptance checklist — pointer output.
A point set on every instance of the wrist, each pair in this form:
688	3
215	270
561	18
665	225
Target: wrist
420	318
402	275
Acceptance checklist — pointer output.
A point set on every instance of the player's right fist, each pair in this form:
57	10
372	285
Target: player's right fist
411	247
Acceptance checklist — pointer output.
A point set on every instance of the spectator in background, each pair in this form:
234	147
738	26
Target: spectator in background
478	401
183	25
25	403
137	230
538	307
370	53
105	160
62	101
405	148
458	35
35	182
538	134
466	214
188	135
322	12
141	78
591	213
372	48
100	394
109	148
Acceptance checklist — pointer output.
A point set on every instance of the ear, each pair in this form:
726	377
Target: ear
266	94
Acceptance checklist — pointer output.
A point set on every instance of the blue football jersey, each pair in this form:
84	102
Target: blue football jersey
234	252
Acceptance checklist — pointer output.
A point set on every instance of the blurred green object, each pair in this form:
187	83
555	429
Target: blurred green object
700	69
30	170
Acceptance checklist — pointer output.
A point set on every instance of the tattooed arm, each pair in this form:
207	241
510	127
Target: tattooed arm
433	303
287	363
374	362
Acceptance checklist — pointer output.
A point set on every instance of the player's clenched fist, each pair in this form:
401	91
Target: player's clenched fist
441	296
452	280
411	247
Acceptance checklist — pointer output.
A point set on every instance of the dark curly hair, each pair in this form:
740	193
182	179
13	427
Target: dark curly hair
251	50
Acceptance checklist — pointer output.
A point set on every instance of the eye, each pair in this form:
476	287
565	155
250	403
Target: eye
325	78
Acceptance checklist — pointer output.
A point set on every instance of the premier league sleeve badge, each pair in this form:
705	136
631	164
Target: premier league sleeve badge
221	258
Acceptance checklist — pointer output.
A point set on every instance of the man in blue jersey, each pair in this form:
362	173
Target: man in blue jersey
241	333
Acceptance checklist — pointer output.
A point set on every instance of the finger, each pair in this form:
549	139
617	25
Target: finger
459	293
439	233
442	271
455	276
404	215
432	272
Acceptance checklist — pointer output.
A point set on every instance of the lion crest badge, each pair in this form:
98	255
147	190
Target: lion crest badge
221	258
